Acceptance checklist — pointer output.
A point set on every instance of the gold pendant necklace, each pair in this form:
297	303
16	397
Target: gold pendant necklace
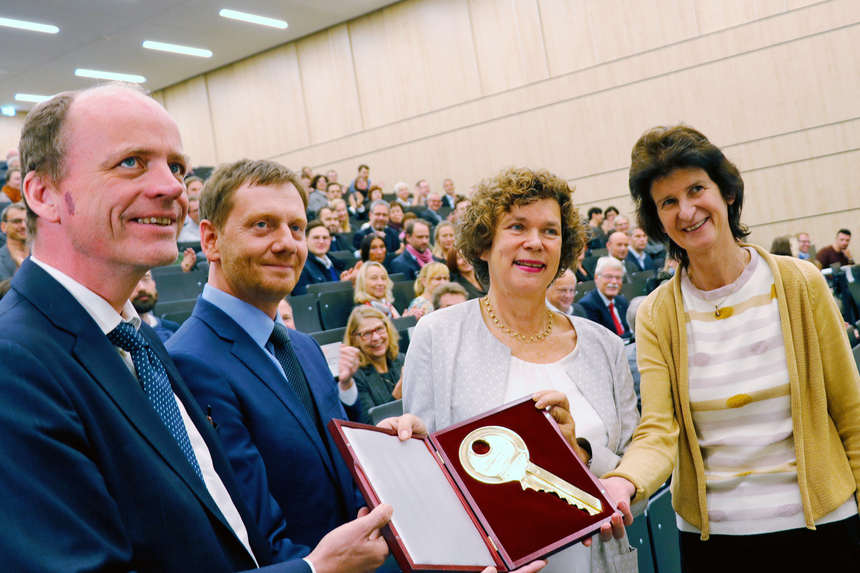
725	298
513	333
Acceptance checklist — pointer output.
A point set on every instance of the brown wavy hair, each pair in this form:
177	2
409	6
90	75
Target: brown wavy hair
495	196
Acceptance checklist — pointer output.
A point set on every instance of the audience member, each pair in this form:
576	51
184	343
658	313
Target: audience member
240	361
332	223
13	222
837	252
143	299
306	181
637	259
603	304
622	224
363	173
431	276
419	196
618	245
395	216
373	248
307	172
374	288
319	267
608	224
457	213
803	244
561	292
191	226
417	252
5	285
285	310
374	194
781	246
450	197
630	347
597	236
12	188
340	209
449	294
380	361
401	190
112	475
355	197
582	274
331	175
333	191
431	213
318	197
463	274
443	236
379	224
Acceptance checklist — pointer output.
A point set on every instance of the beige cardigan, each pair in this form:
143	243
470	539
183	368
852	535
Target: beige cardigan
825	397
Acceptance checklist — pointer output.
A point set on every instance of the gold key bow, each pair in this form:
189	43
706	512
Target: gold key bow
506	459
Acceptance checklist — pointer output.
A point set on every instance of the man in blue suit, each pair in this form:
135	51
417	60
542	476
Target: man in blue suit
319	268
234	352
637	259
111	464
603	304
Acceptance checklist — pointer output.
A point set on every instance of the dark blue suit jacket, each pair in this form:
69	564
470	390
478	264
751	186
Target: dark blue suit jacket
392	238
315	272
93	479
406	264
261	421
632	263
599	313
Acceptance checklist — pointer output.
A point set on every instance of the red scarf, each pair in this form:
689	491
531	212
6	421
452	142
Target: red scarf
422	258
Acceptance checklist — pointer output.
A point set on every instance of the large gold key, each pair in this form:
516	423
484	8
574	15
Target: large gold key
494	455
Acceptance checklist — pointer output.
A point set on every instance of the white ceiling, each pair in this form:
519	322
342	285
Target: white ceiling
107	35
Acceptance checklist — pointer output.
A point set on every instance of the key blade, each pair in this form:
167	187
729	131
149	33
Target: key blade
530	481
565	490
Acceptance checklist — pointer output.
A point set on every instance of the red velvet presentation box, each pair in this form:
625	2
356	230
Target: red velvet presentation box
446	520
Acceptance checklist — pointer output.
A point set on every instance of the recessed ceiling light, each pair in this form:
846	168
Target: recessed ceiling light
254	19
31	98
177	49
110	76
29	26
8	110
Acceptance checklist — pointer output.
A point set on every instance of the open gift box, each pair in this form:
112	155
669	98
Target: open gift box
445	519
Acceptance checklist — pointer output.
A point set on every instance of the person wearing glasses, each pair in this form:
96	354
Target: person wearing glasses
604	305
380	360
560	294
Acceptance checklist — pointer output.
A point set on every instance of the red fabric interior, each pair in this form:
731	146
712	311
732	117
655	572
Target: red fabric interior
526	521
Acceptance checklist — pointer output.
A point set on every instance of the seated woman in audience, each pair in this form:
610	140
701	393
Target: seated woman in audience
355	199
582	274
431	276
395	216
373	194
373	248
749	389
608	224
317	196
339	206
443	238
781	246
463	274
521	230
622	224
374	288
380	361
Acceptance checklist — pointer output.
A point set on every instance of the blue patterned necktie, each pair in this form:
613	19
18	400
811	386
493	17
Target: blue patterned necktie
292	369
153	378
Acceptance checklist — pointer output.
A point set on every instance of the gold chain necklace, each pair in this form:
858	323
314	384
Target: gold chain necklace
717	306
513	333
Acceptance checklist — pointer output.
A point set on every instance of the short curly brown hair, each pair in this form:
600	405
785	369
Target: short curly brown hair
516	186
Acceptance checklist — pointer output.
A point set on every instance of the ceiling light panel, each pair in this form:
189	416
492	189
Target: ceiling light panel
262	20
29	26
150	45
110	76
31	98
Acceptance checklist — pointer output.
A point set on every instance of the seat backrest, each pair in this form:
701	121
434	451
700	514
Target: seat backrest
389	410
180	286
335	307
306	313
330	286
163	308
404	292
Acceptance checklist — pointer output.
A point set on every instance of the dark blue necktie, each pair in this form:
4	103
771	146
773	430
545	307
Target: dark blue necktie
292	369
153	378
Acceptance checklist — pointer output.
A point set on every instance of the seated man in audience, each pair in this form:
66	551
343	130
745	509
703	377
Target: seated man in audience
116	468
597	236
449	294
417	252
269	389
13	222
333	192
458	211
560	294
837	252
332	223
618	244
637	259
143	299
319	268
379	211
191	227
803	244
603	304
331	176
419	196
431	213
450	198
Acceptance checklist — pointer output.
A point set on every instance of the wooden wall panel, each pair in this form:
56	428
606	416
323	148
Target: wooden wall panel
794	4
188	103
375	74
258	107
568	36
765	8
714	16
328	84
509	43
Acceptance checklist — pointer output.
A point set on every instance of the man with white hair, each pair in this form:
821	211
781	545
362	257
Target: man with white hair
604	305
560	294
403	195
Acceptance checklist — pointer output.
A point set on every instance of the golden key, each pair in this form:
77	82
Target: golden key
494	454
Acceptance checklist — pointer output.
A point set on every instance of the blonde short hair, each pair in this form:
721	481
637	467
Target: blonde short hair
429	271
361	295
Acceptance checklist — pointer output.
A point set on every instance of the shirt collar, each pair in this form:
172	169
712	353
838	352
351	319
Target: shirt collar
98	308
324	260
606	301
254	321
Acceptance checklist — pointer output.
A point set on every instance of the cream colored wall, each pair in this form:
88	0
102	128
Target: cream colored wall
460	88
10	133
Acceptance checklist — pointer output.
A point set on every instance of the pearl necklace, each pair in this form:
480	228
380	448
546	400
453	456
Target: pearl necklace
513	333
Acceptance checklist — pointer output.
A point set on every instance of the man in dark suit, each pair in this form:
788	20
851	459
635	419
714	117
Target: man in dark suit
319	268
115	467
143	299
379	212
431	213
637	259
331	222
417	252
604	305
234	352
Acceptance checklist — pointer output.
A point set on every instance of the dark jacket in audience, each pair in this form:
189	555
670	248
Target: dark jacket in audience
315	272
471	290
406	264
392	238
598	312
374	389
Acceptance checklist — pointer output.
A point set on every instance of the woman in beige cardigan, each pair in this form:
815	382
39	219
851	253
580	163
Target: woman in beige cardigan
749	388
